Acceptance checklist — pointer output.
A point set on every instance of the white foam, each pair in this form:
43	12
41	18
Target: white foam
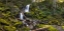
27	8
21	16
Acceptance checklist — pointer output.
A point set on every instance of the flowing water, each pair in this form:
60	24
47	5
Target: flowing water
27	8
21	16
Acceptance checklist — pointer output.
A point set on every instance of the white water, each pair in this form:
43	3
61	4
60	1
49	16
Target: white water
27	8
21	16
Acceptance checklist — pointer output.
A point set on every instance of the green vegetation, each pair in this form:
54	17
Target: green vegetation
44	11
51	28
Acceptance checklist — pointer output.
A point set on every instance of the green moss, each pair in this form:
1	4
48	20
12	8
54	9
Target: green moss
4	21
10	28
25	29
39	25
51	28
63	27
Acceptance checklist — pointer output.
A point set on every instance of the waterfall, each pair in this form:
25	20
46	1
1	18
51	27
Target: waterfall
27	8
21	16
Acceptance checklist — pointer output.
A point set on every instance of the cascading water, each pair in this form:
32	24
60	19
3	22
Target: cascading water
22	16
27	8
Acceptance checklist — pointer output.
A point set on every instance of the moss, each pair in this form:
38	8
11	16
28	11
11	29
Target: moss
25	29
51	28
63	27
9	28
39	25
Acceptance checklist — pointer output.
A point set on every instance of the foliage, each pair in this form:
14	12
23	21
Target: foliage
42	11
51	28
